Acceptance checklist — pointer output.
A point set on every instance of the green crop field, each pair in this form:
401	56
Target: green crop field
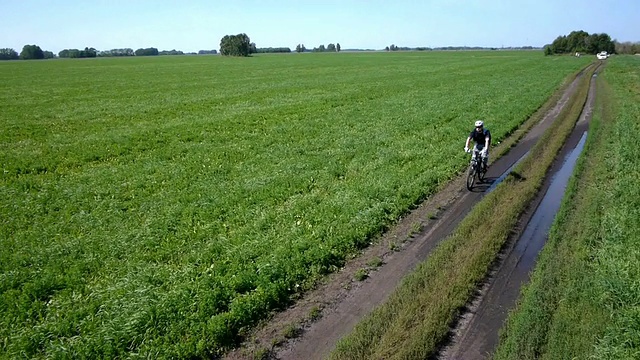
161	206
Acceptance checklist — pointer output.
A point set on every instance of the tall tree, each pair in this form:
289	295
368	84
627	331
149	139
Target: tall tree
331	47
31	52
338	47
235	45
8	54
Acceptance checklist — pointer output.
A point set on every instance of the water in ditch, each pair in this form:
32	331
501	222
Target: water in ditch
480	334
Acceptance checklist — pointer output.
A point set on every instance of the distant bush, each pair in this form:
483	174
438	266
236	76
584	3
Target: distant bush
273	50
627	48
75	53
8	54
31	52
116	52
171	52
147	52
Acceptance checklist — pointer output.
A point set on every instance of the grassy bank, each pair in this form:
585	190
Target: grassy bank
416	318
583	301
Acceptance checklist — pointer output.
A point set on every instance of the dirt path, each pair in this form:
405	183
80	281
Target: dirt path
476	334
344	301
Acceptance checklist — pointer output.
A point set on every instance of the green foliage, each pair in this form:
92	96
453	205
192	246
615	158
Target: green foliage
75	53
8	54
271	50
236	45
321	48
581	42
628	47
116	52
207	52
146	52
171	52
376	262
292	331
262	354
163	205
300	48
416	227
31	52
361	274
315	313
393	246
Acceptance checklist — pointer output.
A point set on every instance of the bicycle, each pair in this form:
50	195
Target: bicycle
476	169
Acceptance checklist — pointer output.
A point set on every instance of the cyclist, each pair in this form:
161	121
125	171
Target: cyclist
482	138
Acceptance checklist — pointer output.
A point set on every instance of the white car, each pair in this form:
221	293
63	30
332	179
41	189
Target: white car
602	55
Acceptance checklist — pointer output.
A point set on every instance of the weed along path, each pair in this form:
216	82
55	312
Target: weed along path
311	328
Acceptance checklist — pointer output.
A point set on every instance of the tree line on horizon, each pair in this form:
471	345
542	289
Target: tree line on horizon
241	45
34	52
300	48
581	42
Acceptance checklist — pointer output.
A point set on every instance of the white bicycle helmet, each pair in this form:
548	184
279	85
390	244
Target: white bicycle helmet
479	123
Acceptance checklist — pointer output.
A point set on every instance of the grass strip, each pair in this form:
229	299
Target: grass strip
418	315
583	300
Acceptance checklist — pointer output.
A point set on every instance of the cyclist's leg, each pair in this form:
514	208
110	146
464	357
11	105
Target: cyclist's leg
478	148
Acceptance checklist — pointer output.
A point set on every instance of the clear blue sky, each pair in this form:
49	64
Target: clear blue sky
192	25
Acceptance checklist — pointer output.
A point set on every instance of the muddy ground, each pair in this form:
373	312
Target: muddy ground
341	301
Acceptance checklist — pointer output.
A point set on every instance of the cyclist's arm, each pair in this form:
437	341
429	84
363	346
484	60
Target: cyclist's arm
468	141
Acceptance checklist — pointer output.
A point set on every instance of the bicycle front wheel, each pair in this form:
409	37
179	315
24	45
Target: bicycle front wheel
471	178
481	173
